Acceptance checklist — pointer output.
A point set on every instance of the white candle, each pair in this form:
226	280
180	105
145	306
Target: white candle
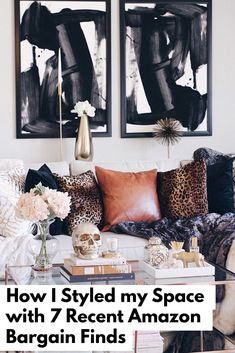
112	244
194	242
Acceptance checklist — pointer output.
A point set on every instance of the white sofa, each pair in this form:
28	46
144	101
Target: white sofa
131	249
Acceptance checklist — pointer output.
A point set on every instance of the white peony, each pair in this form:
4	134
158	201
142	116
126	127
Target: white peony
42	203
84	108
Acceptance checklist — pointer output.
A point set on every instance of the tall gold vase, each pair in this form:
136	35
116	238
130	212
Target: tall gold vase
84	146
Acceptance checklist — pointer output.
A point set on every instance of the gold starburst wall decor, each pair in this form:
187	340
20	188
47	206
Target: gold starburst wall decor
168	132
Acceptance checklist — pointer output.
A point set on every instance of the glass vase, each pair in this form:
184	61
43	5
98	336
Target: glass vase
43	247
43	278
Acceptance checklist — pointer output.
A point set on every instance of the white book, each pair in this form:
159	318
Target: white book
77	261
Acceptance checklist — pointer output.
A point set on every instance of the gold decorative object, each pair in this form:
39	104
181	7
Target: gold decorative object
194	245
109	255
190	257
84	145
194	242
177	245
60	81
168	132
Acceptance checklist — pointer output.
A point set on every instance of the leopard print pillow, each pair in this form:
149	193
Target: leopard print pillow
86	202
183	192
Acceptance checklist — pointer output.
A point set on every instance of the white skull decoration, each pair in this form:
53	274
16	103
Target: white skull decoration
86	241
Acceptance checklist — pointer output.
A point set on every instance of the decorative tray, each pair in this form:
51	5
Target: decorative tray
191	271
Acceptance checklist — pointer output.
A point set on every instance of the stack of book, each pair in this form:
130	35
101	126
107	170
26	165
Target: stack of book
101	269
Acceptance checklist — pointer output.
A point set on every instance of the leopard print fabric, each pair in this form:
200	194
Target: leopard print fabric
86	202
183	191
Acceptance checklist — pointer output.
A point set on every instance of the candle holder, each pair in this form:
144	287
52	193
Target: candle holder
112	245
194	245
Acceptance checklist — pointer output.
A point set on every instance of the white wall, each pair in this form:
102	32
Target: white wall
223	95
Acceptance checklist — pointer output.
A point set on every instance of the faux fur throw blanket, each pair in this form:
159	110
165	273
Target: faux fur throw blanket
215	233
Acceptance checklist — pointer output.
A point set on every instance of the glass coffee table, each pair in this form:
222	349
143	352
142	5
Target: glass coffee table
25	275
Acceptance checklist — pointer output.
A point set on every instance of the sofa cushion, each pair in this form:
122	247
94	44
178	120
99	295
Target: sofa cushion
128	196
42	175
86	202
78	167
183	192
61	168
11	186
220	187
6	164
220	179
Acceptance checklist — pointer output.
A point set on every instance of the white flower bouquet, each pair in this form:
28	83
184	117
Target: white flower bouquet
42	203
84	108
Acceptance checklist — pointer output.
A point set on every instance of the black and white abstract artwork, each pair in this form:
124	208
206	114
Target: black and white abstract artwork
165	65
62	44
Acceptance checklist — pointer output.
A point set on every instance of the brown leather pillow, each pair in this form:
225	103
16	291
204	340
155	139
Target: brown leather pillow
128	196
183	191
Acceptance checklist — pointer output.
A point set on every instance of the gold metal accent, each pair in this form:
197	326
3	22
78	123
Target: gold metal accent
60	81
84	146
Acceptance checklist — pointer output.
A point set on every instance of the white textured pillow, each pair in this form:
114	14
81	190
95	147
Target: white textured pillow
11	186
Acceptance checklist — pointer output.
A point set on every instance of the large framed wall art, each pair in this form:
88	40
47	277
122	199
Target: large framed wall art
63	55
165	65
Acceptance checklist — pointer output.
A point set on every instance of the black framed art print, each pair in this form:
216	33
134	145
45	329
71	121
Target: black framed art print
65	43
165	65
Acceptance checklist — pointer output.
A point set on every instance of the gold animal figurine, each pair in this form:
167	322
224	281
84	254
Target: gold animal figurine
187	257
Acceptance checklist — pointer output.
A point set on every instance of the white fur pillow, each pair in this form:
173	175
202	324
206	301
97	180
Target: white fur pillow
11	186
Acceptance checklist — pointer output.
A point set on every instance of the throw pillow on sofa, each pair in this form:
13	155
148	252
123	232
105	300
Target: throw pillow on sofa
45	176
182	192
220	187
128	196
11	186
220	180
86	201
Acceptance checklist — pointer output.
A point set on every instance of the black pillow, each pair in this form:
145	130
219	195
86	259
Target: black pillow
220	187
46	177
43	175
